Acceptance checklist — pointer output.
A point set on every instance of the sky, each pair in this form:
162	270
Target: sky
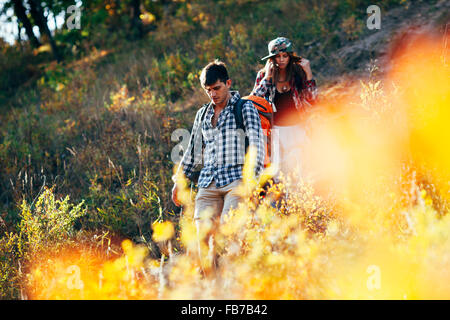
9	31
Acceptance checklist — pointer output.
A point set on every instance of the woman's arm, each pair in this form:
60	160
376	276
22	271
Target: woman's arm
305	65
261	87
310	90
309	87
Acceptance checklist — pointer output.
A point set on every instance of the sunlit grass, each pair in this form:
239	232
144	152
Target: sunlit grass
372	223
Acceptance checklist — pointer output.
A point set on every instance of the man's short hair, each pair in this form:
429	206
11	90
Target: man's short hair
214	71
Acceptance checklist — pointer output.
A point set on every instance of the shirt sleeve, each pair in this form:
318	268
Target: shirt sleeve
252	123
310	90
261	87
190	159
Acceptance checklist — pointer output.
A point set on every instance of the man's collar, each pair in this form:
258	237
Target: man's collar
234	98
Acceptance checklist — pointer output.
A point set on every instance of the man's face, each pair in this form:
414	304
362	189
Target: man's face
218	92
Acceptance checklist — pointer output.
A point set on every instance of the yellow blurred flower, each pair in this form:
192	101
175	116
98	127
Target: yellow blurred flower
162	231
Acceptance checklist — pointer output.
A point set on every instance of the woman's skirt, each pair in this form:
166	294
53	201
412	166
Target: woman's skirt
288	146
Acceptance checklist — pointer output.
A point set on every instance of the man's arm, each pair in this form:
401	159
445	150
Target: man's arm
252	124
192	155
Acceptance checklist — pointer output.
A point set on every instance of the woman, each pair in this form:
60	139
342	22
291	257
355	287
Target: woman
287	82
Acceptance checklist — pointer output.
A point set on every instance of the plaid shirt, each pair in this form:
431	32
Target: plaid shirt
224	145
302	98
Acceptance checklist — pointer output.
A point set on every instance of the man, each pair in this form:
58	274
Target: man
223	152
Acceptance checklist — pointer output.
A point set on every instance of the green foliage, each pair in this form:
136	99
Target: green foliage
98	126
130	211
9	266
17	69
172	74
48	221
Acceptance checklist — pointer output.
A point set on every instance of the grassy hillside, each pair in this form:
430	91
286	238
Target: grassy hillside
97	127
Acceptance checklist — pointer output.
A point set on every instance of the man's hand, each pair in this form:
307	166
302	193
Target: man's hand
174	195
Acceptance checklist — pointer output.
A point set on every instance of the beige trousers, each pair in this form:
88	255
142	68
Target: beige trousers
209	203
212	201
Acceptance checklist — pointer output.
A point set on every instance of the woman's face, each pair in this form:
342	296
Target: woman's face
282	60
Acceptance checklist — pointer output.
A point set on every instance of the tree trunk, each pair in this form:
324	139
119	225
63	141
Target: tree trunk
19	36
54	21
41	21
21	14
136	22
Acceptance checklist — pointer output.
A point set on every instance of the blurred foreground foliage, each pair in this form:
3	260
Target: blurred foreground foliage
98	126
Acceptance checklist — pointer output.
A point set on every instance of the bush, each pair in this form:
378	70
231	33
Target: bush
47	222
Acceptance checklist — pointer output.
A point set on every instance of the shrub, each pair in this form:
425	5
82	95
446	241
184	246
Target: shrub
48	221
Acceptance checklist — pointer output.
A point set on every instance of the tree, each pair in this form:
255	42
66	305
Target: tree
40	20
21	15
136	22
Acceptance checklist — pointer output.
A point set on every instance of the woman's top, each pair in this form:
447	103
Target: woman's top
303	93
287	114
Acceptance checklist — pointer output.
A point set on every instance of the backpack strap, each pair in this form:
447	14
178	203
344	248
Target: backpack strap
237	111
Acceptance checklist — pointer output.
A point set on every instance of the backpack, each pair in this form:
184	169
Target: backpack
265	112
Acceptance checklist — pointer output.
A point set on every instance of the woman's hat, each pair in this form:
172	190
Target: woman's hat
280	44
